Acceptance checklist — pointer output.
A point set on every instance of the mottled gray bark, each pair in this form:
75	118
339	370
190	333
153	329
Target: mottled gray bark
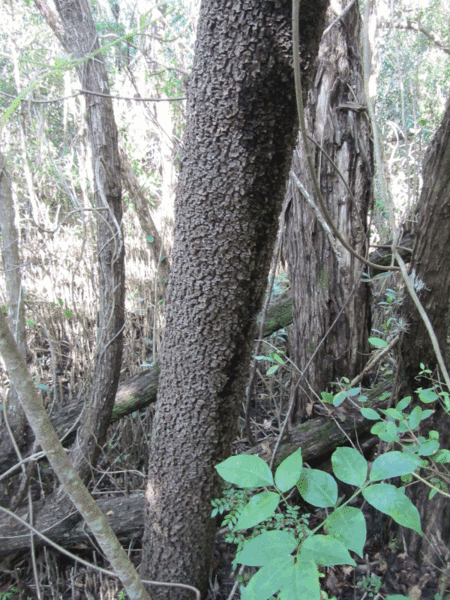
12	266
81	40
430	267
240	132
322	272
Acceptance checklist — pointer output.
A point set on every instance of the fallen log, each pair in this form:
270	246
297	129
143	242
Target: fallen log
317	437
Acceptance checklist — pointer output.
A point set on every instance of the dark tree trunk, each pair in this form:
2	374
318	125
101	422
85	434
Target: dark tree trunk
81	40
430	266
323	274
240	133
317	438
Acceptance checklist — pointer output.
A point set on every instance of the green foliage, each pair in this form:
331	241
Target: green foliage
286	550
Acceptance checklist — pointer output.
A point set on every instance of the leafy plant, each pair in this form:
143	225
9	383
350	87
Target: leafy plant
289	559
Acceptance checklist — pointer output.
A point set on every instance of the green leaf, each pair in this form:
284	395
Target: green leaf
265	548
245	471
427	448
415	417
325	550
339	398
348	525
301	582
273	369
317	488
391	501
268	580
393	413
349	466
428	395
276	357
391	433
393	464
442	456
150	239
327	397
378	428
426	414
378	343
369	413
259	508
403	403
288	473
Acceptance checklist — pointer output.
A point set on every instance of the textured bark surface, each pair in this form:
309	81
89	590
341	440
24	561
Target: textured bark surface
431	268
12	266
317	438
133	394
240	132
81	40
322	273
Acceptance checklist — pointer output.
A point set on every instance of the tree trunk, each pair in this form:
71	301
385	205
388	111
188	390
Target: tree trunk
322	273
12	265
240	132
318	437
430	267
81	40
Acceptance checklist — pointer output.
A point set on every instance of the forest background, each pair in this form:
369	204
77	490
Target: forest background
67	156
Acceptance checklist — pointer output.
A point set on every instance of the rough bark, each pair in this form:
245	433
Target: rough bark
430	267
317	438
81	40
137	392
240	133
323	273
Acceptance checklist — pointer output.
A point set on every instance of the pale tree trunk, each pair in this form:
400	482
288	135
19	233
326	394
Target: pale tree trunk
240	133
430	267
16	309
80	40
323	274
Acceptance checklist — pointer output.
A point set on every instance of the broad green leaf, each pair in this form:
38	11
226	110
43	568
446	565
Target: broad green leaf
369	413
415	417
276	357
327	397
288	473
442	456
393	464
259	508
391	501
393	413
302	582
265	548
317	488
377	342
339	398
426	414
273	369
403	403
348	525
245	471
354	392
427	448
391	433
326	550
428	395
378	428
349	466
269	579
